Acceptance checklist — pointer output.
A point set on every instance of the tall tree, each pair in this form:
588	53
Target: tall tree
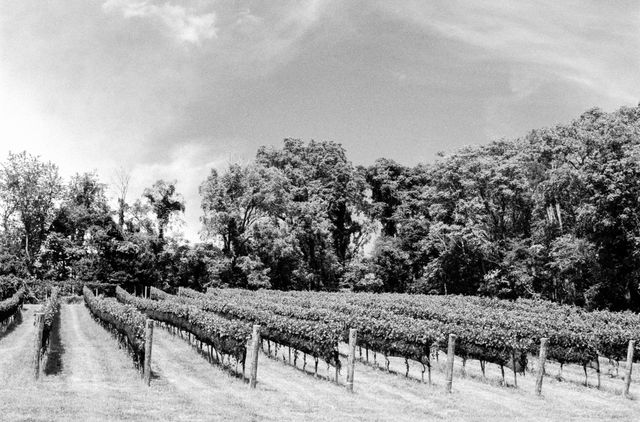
320	173
84	211
121	183
30	189
235	204
385	178
165	202
84	205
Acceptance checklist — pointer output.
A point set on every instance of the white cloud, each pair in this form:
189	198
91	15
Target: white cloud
185	24
253	38
582	42
256	42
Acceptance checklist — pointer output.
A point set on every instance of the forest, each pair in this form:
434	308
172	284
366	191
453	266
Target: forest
554	214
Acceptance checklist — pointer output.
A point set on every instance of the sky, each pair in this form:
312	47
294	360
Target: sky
171	89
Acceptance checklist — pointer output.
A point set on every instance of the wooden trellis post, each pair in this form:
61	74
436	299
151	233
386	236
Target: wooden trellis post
627	377
255	349
450	357
515	374
351	362
37	343
544	342
148	341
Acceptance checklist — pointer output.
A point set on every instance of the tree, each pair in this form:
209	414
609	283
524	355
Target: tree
165	202
29	189
121	182
328	198
587	173
234	204
552	214
84	205
385	179
84	211
295	217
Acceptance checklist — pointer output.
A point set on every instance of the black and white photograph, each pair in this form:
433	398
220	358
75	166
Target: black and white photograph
319	210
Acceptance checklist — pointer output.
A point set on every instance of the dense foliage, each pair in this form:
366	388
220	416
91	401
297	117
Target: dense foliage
488	329
124	320
317	338
226	336
292	219
9	285
554	215
10	306
50	309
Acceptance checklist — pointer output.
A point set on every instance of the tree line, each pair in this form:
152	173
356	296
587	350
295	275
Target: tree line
553	214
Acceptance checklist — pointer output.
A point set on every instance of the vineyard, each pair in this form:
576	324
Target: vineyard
321	342
412	326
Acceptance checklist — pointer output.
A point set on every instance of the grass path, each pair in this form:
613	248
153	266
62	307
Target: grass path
15	359
96	381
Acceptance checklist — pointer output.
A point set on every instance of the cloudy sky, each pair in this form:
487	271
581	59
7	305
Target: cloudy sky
170	89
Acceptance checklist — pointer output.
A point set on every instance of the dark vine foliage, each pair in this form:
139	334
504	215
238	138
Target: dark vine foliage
9	285
50	308
124	321
405	325
317	338
9	307
157	293
228	337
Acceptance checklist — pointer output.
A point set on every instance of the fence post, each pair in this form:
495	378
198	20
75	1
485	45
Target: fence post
148	341
450	357
255	348
37	343
515	375
627	377
351	361
542	358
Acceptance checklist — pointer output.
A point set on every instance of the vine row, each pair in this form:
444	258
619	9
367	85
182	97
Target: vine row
125	321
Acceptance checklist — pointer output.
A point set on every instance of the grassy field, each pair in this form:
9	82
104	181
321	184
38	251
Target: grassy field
95	380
